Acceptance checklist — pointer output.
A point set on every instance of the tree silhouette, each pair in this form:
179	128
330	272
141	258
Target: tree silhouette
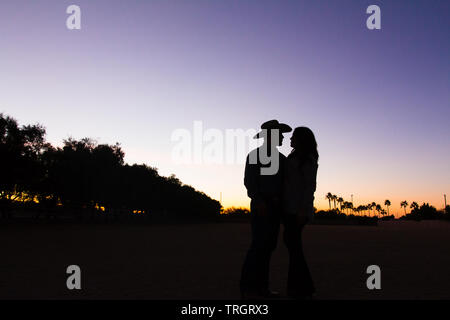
425	211
83	176
20	149
350	206
373	205
378	208
334	198
387	203
346	205
404	204
329	196
340	200
414	205
360	209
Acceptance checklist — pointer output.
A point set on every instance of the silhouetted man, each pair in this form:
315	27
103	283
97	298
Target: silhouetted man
264	182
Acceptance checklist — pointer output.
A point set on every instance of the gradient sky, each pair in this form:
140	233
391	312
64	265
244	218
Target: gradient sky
378	101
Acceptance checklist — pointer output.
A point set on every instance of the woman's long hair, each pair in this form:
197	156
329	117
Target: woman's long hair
305	144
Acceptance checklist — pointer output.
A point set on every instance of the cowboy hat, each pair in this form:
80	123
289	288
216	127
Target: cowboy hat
271	125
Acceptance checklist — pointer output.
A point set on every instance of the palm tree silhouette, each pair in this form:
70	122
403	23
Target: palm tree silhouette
404	204
387	203
329	196
373	205
334	198
414	205
378	208
368	206
346	205
361	209
340	201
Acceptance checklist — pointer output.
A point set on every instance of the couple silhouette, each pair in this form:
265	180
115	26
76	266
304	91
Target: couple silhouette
282	196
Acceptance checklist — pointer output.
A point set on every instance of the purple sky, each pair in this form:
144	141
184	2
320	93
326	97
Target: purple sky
378	101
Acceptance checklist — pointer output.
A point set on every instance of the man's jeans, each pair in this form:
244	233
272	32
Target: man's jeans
265	230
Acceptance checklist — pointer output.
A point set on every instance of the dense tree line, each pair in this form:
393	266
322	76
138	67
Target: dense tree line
85	176
426	211
371	209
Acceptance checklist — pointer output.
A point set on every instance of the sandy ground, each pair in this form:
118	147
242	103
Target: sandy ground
203	261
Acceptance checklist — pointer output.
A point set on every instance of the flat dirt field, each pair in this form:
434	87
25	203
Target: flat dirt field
203	261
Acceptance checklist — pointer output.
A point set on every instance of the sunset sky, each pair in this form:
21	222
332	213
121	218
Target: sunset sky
377	100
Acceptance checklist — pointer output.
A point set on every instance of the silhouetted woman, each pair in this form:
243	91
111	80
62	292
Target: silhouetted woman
299	188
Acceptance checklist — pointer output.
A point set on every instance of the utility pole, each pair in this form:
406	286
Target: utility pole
445	202
221	197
